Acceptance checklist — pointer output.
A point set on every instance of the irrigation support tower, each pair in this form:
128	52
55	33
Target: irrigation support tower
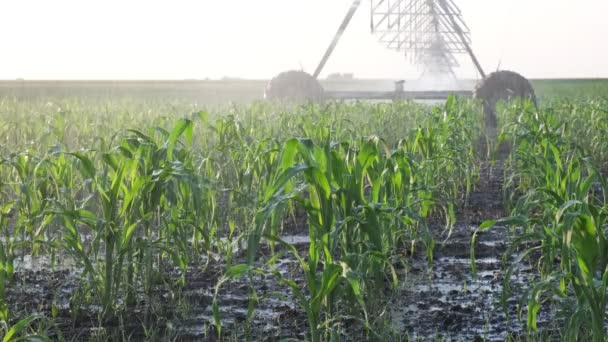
431	33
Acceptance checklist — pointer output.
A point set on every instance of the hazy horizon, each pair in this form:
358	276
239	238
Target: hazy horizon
183	39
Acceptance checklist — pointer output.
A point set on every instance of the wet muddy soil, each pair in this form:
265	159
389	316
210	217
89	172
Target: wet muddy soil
444	301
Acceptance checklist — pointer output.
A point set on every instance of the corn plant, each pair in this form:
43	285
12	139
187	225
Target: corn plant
445	154
24	330
24	221
6	260
353	235
148	197
562	208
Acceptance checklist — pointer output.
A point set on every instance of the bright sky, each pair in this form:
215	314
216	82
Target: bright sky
183	39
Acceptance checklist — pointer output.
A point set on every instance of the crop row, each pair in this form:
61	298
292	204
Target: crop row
137	208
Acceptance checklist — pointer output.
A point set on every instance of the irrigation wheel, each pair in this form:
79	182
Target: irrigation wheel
294	86
498	86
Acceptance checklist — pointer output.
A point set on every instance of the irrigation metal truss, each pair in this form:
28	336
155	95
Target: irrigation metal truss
430	32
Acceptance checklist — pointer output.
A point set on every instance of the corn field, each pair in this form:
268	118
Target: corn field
330	222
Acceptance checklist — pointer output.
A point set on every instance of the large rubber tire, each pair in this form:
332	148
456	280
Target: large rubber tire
501	86
294	86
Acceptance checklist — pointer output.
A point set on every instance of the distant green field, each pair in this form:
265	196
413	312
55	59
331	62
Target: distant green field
571	88
245	91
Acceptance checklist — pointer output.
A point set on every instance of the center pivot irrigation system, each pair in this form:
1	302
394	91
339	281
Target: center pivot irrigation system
430	33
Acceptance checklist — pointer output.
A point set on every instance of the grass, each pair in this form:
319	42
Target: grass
139	191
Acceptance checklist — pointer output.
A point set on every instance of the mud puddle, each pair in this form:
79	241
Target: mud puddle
448	303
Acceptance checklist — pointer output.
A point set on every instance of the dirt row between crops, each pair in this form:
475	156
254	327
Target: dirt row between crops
442	302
